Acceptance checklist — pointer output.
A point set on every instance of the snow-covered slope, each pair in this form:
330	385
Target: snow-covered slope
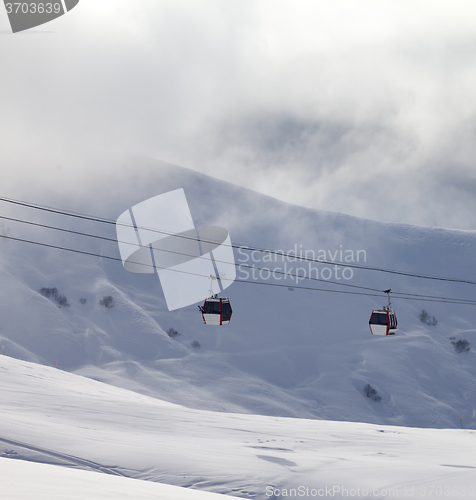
286	353
54	417
22	480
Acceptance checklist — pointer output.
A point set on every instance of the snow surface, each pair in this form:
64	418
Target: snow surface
277	398
35	481
55	417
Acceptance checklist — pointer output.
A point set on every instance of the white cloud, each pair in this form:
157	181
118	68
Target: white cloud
316	103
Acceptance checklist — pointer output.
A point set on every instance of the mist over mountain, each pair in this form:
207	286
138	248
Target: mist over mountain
288	351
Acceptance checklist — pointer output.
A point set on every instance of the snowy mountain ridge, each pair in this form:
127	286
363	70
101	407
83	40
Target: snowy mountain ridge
300	353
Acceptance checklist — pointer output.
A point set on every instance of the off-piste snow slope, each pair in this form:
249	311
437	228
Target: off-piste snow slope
58	418
288	353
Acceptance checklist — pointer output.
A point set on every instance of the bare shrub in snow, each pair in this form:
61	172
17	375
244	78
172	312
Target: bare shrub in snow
52	293
107	302
48	292
427	319
460	345
82	301
172	333
371	393
62	301
195	344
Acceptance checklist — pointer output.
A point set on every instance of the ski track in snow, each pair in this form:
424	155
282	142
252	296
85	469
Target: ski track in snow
43	455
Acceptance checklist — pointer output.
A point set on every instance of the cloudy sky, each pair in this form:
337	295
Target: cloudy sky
366	108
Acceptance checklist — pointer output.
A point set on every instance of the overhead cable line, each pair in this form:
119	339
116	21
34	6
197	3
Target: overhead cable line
272	271
243	247
105	238
447	301
443	299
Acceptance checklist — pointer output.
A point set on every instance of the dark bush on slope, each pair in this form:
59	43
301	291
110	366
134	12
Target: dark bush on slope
172	333
427	319
107	302
371	393
460	345
52	293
